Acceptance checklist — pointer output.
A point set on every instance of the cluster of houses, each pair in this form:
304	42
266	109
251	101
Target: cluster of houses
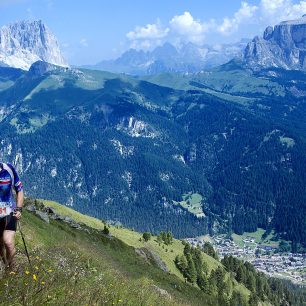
264	258
289	265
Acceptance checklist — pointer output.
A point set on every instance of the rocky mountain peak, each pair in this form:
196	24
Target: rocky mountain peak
282	46
24	42
187	57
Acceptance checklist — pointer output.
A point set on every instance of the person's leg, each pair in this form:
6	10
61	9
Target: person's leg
9	244
2	250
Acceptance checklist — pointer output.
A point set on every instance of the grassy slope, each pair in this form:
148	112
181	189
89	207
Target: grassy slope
195	203
132	239
232	85
73	267
257	236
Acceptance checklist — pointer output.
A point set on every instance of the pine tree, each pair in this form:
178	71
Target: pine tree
202	281
253	300
191	273
146	236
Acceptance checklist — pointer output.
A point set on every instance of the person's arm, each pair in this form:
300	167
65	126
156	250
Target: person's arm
19	199
19	193
19	202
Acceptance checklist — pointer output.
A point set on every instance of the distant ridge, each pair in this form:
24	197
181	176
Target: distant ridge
167	58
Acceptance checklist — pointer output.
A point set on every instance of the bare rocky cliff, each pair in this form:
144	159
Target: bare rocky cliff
25	42
283	46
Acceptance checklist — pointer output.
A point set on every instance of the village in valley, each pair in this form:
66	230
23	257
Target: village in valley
265	257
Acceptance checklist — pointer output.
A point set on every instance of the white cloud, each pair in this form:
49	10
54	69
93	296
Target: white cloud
268	12
274	11
247	21
150	31
189	28
244	14
148	36
83	42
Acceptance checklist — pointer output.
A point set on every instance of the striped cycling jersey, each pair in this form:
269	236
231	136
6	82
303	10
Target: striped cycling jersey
6	181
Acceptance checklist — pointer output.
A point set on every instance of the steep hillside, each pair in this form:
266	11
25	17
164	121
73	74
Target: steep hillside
77	259
75	263
198	153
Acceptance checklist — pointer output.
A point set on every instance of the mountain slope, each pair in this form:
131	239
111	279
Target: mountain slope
113	123
25	42
74	262
130	151
111	272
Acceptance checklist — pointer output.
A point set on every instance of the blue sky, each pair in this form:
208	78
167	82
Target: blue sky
92	30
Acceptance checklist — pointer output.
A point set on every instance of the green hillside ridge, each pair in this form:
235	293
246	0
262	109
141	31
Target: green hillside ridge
86	267
74	262
131	238
233	85
169	253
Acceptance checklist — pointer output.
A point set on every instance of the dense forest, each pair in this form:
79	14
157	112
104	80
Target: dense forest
126	150
219	284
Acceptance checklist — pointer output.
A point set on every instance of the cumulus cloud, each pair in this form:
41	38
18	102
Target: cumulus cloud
186	28
245	13
189	28
150	31
147	36
274	11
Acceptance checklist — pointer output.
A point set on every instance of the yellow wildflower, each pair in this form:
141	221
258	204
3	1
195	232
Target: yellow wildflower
50	270
36	268
34	277
42	283
27	272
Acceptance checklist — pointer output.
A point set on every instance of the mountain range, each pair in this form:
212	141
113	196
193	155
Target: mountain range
282	46
168	58
213	151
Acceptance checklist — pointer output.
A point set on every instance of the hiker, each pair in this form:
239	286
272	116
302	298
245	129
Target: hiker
10	213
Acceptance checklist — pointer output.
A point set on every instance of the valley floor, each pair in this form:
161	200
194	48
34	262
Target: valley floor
291	266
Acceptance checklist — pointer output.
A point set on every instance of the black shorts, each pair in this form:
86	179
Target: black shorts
8	223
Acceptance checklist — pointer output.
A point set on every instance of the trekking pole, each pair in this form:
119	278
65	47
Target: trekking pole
24	243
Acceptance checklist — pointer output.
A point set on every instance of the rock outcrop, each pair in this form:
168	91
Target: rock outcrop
283	46
25	42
